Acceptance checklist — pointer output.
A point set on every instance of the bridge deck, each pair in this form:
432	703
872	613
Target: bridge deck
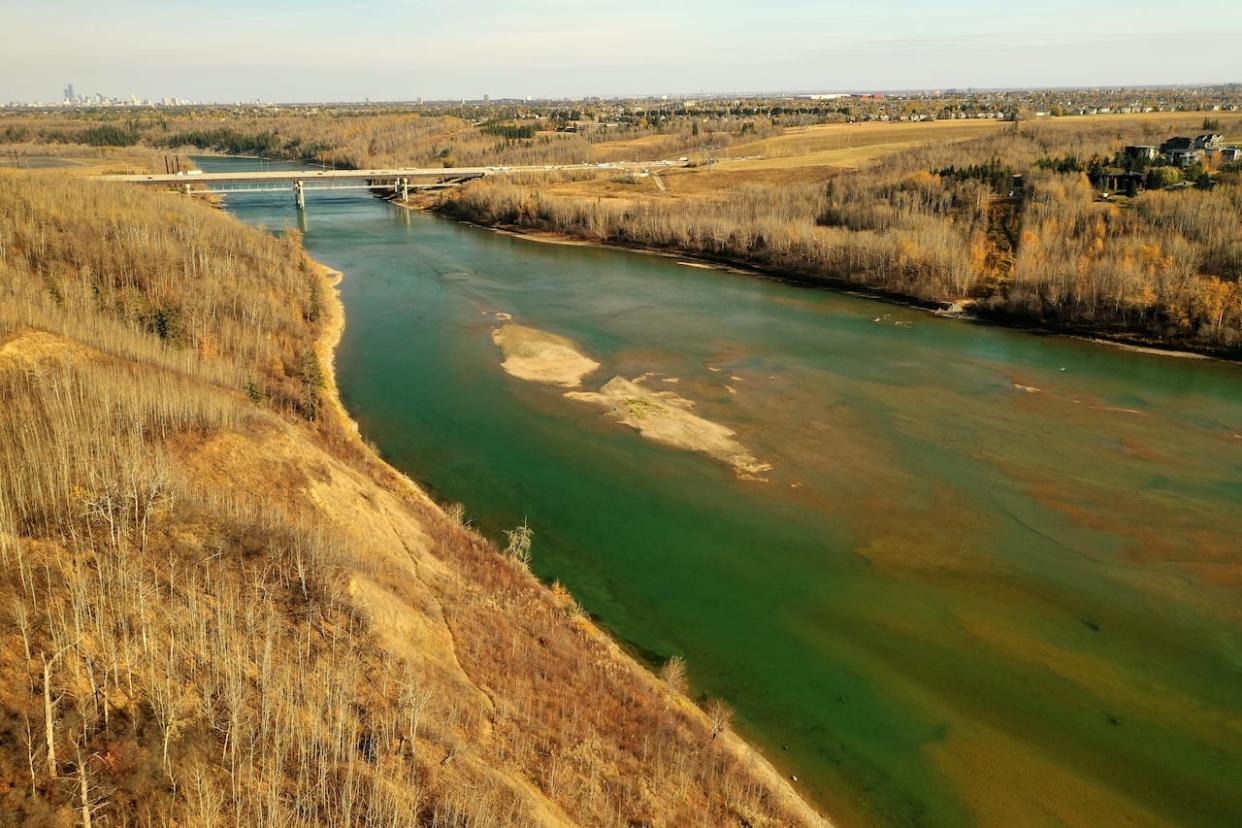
311	187
392	174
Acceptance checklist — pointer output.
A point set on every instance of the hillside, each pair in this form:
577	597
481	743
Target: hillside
219	607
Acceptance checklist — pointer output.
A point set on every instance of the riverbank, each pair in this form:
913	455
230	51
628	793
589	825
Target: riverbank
1131	341
744	757
363	651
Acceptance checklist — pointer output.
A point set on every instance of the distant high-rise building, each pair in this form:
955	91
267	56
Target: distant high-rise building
69	92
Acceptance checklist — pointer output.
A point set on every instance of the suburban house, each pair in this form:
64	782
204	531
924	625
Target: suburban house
1119	181
1184	158
1181	151
1143	151
1210	141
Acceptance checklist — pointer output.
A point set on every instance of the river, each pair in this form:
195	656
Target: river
992	577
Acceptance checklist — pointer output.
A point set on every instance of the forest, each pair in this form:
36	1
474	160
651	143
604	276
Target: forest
347	138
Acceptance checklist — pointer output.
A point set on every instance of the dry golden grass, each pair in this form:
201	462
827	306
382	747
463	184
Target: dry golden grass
215	610
81	159
842	158
1177	121
660	146
716	184
849	145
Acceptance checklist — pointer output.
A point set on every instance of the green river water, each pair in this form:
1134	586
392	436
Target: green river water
993	578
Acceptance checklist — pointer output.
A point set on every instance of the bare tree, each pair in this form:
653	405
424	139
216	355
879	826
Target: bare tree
720	715
519	543
49	705
674	675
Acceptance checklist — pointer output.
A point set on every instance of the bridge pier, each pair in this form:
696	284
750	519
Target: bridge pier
299	195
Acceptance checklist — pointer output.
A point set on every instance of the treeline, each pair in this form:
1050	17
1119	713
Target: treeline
999	177
349	140
353	139
511	131
234	142
99	136
107	136
217	608
929	224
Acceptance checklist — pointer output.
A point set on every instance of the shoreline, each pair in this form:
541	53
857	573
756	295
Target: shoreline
1133	344
739	748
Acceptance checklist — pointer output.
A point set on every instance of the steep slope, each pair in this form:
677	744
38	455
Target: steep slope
218	607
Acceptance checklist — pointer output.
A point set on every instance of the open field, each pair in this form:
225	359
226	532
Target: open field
79	159
1174	120
849	145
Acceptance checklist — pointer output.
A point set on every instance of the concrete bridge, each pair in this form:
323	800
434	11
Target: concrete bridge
399	181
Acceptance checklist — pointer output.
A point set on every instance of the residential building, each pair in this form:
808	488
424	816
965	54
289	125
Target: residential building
1184	157
1119	181
1142	151
1177	144
1182	151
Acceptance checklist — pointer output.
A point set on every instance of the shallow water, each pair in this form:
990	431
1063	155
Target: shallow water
993	577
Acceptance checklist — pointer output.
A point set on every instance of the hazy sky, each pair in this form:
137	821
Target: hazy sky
301	50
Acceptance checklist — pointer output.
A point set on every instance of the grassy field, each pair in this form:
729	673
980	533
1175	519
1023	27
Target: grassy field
850	145
78	159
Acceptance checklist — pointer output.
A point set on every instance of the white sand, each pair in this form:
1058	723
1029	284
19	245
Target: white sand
539	356
666	418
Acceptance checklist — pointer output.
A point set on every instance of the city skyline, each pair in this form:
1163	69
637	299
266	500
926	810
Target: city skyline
71	97
319	51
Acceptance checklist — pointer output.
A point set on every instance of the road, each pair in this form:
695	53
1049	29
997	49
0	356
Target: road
389	174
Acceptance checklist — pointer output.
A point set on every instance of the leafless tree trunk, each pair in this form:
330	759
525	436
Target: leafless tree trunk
84	790
30	753
49	707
